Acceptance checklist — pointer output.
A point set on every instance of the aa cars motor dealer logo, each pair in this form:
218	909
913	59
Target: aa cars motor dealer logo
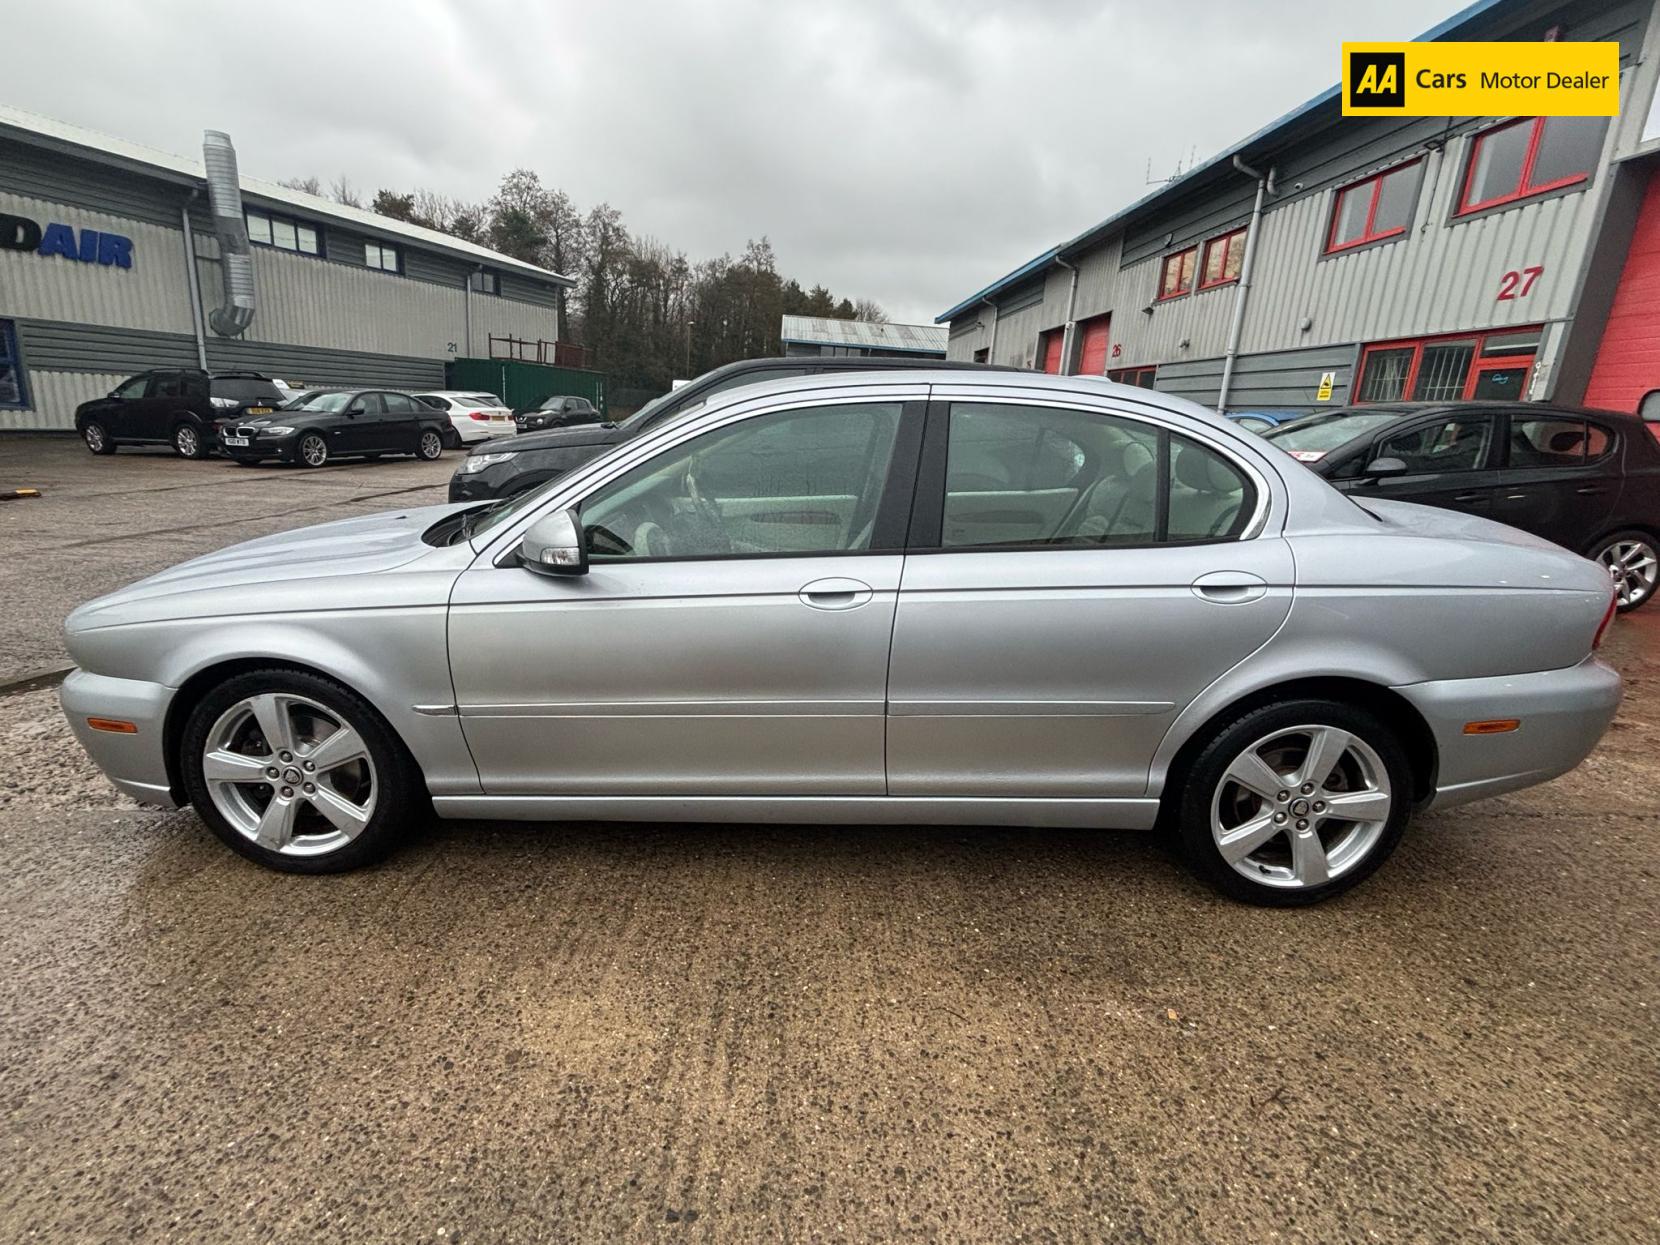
1481	79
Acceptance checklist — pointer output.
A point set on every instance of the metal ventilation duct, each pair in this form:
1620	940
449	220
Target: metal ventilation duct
236	313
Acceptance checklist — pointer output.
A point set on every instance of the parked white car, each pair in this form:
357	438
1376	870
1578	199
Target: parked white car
474	416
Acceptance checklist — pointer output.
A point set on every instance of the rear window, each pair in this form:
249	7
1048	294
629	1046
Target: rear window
246	389
1309	440
484	399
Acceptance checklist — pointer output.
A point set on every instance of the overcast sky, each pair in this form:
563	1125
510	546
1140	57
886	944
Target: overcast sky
909	151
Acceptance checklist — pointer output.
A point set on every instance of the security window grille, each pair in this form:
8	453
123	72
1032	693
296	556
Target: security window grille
1528	157
1223	257
383	256
14	390
280	232
1477	366
484	283
1176	277
1372	210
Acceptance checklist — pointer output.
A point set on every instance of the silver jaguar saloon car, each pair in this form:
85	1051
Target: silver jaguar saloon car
998	598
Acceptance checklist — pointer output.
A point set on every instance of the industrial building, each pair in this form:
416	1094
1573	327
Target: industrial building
116	258
1327	259
819	335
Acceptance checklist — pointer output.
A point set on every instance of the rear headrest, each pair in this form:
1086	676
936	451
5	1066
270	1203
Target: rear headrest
1567	442
1199	469
1137	458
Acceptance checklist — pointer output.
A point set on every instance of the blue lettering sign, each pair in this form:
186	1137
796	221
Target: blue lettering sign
91	247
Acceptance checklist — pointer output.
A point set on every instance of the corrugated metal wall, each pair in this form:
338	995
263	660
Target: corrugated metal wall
149	295
1281	380
64	346
53	394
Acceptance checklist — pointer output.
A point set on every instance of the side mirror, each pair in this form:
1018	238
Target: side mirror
554	545
1383	468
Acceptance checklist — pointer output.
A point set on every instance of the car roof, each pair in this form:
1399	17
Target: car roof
1475	406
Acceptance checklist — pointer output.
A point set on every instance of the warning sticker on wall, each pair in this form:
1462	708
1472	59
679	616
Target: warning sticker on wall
1327	380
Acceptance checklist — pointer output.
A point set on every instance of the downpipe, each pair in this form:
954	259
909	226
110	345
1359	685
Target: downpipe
1236	330
1066	330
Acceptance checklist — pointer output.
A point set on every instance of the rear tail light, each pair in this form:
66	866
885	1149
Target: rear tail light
481	416
1607	617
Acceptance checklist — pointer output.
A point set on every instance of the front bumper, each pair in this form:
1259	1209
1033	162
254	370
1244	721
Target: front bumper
1563	714
283	449
136	763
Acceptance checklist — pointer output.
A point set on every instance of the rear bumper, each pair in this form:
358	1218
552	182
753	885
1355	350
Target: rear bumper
137	762
1563	713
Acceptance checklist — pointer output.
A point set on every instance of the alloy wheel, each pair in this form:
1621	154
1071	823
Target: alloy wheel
1301	806
1633	566
313	451
290	774
185	441
432	445
94	437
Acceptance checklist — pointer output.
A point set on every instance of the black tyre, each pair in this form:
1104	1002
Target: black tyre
1293	803
313	451
1632	559
188	441
430	446
299	772
97	437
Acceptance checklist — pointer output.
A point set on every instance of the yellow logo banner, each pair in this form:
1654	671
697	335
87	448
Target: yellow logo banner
1481	79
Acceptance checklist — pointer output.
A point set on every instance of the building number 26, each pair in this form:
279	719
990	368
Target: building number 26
1515	284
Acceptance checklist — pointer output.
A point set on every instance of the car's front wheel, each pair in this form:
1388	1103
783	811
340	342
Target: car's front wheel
430	446
298	772
313	450
96	438
1633	564
188	443
1292	803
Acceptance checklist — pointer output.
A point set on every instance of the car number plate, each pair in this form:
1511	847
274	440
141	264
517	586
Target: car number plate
236	440
259	410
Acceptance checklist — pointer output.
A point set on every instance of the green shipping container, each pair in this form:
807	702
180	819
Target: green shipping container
525	384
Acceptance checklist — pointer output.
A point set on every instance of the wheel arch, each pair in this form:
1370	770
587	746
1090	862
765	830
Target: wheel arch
197	687
1389	706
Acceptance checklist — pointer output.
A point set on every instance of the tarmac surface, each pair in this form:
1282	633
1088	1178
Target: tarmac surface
642	1032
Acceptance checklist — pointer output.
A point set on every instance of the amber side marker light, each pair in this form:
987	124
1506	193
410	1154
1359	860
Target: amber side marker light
1493	726
112	724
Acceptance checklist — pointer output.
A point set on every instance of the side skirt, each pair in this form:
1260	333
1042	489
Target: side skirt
1118	814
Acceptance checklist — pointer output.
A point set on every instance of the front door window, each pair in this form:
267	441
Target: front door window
798	482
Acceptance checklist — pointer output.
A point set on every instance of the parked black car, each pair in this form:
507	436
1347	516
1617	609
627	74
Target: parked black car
557	412
181	407
1588	480
324	424
505	468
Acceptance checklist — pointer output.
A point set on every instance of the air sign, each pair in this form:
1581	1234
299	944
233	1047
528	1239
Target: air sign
89	246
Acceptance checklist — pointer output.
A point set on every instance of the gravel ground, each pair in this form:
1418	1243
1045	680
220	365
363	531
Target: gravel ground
48	767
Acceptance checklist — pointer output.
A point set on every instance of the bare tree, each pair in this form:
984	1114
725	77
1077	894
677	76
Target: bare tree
309	185
341	190
870	311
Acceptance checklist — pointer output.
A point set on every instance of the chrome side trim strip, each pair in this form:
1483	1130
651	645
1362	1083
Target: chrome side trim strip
1027	708
877	810
434	711
682	709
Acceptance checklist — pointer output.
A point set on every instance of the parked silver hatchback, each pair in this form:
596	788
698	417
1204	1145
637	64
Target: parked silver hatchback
914	597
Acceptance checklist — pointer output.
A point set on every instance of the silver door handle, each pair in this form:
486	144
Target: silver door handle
1230	587
835	594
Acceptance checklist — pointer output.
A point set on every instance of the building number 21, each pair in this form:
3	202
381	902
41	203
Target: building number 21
1516	284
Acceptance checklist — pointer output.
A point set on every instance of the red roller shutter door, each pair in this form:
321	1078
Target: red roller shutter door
1628	360
1052	350
1092	355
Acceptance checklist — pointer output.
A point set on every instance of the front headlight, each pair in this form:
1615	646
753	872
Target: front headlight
478	462
276	430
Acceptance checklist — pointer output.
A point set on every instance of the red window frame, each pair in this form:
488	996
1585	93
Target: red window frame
1164	269
1135	375
1368	234
1226	241
1478	362
1523	189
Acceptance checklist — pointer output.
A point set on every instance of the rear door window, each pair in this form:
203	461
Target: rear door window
1556	441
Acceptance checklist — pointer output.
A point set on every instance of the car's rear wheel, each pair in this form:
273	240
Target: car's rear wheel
1296	802
314	451
188	443
96	438
1633	563
430	446
298	772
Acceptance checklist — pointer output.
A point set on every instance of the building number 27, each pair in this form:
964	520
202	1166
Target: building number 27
1515	284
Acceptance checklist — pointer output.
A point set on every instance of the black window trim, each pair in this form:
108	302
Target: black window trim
322	251
1615	450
